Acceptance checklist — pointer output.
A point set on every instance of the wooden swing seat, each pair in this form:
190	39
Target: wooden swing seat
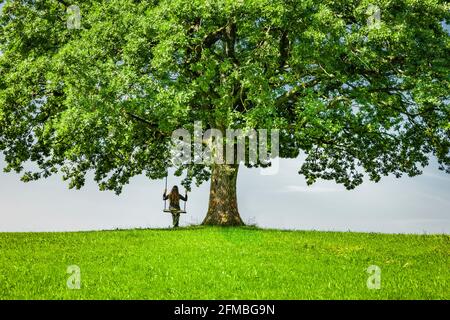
170	211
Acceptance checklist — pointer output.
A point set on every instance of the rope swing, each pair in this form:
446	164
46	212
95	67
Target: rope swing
165	201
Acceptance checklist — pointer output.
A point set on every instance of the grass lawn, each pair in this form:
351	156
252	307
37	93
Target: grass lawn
223	263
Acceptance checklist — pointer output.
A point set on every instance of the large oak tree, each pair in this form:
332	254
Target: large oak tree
360	97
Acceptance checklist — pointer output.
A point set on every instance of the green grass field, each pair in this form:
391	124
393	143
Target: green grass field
223	263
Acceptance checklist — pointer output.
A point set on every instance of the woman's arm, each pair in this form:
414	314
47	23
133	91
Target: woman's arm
184	198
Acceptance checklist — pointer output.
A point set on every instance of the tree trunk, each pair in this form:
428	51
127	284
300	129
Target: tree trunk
223	208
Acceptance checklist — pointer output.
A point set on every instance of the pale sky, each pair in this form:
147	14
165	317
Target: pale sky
407	205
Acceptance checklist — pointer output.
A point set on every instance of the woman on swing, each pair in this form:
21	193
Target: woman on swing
174	204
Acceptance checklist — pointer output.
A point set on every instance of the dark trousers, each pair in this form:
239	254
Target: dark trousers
175	218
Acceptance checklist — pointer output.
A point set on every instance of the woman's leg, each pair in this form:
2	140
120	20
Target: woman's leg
176	220
173	218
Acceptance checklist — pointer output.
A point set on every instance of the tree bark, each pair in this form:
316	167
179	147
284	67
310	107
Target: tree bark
223	208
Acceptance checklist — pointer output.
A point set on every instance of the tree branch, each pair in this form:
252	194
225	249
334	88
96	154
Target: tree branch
284	49
294	93
149	124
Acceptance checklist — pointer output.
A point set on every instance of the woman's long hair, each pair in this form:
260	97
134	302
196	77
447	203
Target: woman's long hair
174	195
